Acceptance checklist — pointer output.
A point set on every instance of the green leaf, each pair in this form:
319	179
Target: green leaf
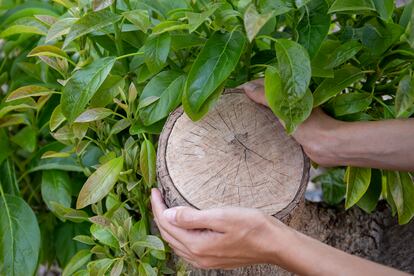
56	187
18	107
8	179
294	68
349	103
168	26
117	268
24	11
26	139
254	21
119	126
291	112
160	255
57	118
60	28
212	67
64	234
108	91
401	187
100	183
369	201
152	242
100	267
385	8
22	29
98	5
77	262
322	59
4	145
81	87
208	104
185	41
357	183
84	239
93	114
90	22
278	6
156	50
377	37
146	269
104	235
138	128
164	91
344	77
404	99
407	14
342	53
147	162
65	213
355	6
28	91
140	18
19	237
314	27
196	19
138	232
49	51
333	186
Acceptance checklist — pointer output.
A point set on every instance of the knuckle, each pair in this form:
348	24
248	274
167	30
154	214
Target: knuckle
184	217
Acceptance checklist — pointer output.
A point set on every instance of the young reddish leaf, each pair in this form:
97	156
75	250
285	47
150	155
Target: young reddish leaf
100	183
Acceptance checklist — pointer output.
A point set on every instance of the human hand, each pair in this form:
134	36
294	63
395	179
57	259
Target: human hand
317	134
219	238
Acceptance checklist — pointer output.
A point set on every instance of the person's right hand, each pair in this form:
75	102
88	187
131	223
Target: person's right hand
316	134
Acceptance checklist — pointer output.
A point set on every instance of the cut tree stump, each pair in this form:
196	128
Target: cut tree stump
237	155
240	155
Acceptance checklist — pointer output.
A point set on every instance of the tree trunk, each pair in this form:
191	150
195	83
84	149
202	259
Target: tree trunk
240	155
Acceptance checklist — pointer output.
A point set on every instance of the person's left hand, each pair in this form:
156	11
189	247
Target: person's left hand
219	238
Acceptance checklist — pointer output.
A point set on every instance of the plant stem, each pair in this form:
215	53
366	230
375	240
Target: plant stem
118	39
384	105
130	55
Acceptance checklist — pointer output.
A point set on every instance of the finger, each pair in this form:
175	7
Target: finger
157	202
182	254
255	91
182	236
190	218
174	243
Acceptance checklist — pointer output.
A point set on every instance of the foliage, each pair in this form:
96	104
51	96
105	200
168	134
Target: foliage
86	87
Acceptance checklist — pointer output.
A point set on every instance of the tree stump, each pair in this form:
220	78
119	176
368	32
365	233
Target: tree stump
237	155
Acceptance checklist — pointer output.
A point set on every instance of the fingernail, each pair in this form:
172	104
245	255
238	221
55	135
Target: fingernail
169	214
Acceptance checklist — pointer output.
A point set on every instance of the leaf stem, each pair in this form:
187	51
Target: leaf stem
118	39
130	55
384	105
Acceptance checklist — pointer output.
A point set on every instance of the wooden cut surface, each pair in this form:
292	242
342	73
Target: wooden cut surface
237	155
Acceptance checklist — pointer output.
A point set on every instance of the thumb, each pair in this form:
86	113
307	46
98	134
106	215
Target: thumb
255	91
190	218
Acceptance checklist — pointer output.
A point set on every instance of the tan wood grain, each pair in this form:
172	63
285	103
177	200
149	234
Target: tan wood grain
237	155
